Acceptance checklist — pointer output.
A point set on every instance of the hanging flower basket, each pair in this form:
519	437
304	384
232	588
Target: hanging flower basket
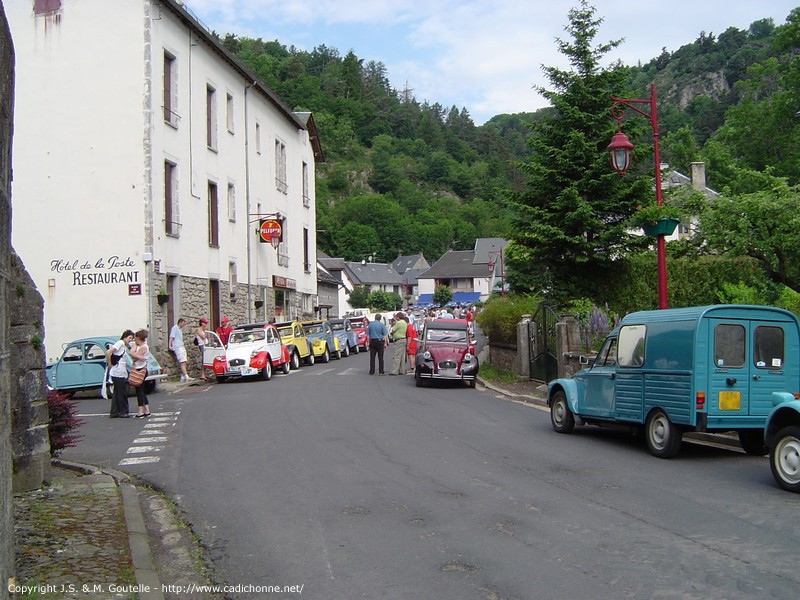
162	299
665	226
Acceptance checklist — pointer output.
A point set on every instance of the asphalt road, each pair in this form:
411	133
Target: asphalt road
358	486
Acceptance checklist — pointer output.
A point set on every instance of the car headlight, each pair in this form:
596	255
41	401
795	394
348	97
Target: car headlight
427	355
254	353
467	357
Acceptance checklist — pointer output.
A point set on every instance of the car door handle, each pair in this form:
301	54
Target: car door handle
731	381
756	377
612	375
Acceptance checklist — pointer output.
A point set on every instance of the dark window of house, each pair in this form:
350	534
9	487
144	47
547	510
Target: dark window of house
213	215
306	261
169	82
170	225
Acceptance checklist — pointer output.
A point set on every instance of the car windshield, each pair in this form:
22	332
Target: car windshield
446	335
286	331
250	335
310	329
337	326
358	322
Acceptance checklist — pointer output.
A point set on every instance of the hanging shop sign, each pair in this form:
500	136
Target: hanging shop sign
269	230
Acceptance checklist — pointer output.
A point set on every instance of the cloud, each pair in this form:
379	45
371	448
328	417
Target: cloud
480	54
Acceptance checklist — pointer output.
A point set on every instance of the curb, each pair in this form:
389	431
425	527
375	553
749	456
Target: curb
145	573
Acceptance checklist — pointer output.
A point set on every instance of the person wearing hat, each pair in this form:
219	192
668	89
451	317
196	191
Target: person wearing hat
200	341
224	331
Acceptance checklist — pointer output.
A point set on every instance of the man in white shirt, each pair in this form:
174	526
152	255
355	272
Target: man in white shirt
177	348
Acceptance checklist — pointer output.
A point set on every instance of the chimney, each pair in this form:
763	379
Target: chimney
699	176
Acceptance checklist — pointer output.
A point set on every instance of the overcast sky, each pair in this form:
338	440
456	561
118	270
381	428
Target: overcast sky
485	55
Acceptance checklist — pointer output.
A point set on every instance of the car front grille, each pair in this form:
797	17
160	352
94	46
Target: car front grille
236	362
447	364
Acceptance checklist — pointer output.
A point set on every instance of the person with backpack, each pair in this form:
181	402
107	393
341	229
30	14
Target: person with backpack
118	369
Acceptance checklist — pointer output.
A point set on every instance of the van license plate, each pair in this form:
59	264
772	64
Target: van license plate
730	400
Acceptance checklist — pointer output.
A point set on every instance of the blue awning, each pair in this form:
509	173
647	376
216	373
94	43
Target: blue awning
425	299
466	297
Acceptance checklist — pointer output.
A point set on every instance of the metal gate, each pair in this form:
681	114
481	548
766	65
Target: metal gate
542	344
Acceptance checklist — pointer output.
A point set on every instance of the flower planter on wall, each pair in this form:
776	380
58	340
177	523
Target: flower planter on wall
665	226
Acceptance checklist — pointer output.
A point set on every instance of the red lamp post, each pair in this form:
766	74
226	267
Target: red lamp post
619	151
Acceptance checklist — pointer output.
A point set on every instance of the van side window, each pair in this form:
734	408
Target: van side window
729	345
768	347
631	345
608	354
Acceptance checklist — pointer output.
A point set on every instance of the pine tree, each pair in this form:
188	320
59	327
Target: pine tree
571	217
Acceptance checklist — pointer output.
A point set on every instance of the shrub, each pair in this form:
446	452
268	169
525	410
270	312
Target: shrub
499	317
63	422
594	323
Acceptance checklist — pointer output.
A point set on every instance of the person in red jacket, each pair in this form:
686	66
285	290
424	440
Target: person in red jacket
411	346
224	331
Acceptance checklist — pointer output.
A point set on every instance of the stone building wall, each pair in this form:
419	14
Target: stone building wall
6	113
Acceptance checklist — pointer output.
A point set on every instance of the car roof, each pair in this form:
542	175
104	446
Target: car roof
261	325
447	324
95	338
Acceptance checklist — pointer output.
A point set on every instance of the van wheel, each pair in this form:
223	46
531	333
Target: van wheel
266	372
418	380
295	362
663	437
784	459
561	416
221	379
752	442
310	358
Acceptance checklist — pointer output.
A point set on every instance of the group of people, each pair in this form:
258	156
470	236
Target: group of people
404	335
135	345
201	340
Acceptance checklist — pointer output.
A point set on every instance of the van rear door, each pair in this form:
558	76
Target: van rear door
748	363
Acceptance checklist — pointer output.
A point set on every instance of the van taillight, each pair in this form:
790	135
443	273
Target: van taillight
796	395
700	400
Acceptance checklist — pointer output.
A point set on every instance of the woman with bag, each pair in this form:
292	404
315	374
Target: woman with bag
139	354
118	369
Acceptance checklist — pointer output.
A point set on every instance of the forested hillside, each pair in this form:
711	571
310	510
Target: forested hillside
404	176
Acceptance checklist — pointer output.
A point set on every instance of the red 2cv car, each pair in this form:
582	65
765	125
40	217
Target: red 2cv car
253	349
446	351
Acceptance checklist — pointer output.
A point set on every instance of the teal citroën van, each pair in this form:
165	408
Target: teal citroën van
706	368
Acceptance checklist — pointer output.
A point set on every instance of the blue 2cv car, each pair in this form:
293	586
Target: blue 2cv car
708	368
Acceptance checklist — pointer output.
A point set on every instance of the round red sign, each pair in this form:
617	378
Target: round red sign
269	229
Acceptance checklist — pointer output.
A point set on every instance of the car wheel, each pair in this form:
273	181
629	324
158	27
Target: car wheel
752	442
346	351
784	459
471	383
221	379
310	358
326	356
295	364
663	437
418	379
149	387
285	368
266	372
561	417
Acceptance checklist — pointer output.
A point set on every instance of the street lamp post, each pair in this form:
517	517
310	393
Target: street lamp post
619	151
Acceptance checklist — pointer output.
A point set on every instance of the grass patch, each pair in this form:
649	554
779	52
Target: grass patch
499	376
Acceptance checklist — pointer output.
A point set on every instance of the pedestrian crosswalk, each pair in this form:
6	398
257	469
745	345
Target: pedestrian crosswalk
151	440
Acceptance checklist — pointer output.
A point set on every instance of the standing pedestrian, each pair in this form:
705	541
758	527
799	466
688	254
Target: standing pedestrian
115	358
399	339
177	347
411	346
139	353
224	331
378	341
200	341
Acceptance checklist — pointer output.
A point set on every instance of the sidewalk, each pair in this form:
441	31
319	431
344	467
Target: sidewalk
85	536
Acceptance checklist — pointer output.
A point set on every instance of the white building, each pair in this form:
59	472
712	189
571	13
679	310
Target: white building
144	155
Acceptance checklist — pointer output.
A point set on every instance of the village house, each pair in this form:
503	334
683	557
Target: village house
154	176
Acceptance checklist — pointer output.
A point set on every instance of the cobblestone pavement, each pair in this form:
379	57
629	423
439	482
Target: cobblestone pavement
83	536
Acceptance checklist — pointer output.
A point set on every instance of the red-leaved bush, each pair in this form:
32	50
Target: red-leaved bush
63	421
